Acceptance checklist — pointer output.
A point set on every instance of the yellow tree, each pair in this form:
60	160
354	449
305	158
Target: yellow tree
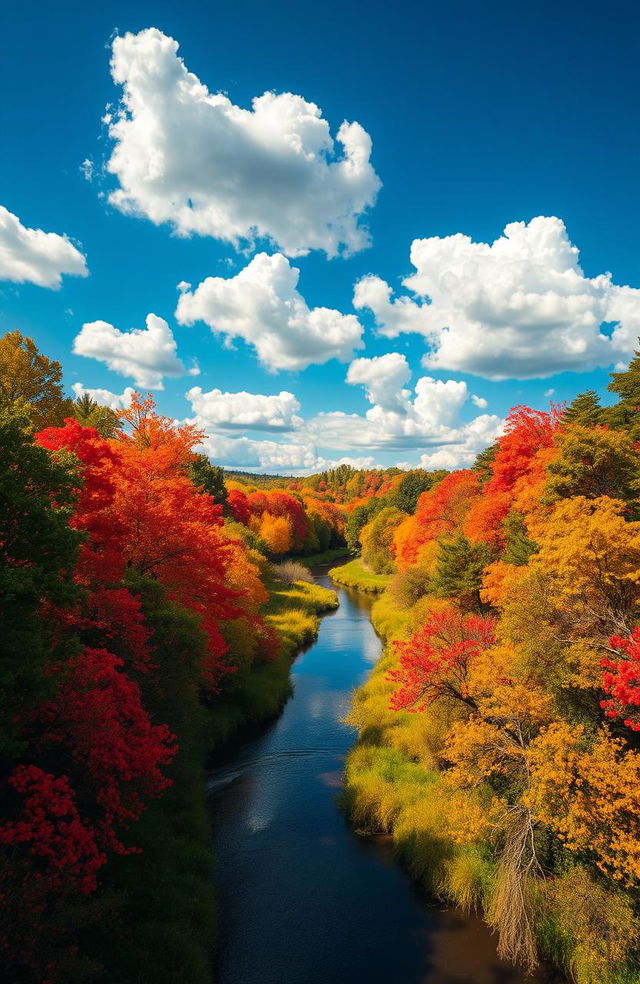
29	377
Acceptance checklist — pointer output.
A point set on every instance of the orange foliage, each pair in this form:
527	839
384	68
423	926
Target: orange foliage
439	511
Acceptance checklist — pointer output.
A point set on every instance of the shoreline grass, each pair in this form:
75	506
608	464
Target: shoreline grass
358	577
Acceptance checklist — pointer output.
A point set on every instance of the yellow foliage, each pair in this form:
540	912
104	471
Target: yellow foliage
277	533
589	795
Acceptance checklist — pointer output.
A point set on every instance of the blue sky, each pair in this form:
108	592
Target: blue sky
481	115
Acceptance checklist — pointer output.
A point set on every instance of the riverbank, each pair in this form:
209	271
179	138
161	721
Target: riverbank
394	786
357	576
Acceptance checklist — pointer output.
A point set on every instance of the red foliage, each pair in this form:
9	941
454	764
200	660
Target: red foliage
433	662
117	753
278	503
50	828
526	433
101	555
439	511
622	681
238	506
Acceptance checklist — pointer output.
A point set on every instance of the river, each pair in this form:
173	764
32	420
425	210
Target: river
304	900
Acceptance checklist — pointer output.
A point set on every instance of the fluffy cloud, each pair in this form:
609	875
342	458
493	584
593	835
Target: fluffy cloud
116	401
520	307
383	378
146	354
427	417
36	257
245	411
190	157
270	456
262	306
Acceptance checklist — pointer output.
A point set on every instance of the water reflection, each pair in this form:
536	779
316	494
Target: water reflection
303	900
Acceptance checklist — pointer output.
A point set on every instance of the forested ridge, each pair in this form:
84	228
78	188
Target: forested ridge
499	734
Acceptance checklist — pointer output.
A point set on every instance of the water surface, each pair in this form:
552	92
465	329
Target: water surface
303	900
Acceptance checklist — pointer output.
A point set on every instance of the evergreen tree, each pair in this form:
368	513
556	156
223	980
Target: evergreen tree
584	410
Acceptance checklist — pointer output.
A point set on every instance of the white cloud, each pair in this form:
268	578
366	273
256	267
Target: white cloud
383	378
520	307
36	257
427	417
116	401
146	354
262	306
245	411
471	439
479	401
549	392
190	157
242	452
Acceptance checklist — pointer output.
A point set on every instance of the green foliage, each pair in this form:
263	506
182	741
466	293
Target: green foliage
625	415
208	478
30	378
377	540
38	550
518	547
358	519
89	413
355	575
585	410
482	464
458	572
595	461
411	487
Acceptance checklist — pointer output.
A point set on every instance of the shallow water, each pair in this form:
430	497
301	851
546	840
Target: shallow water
303	900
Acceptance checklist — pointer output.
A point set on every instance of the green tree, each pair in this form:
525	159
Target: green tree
377	540
584	410
625	415
208	478
31	378
358	519
413	484
594	461
458	572
89	413
38	551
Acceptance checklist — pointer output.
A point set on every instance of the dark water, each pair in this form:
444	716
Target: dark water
303	900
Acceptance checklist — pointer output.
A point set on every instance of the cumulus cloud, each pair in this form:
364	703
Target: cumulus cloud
520	307
383	378
36	257
245	411
146	354
116	401
243	452
190	157
479	401
262	305
428	416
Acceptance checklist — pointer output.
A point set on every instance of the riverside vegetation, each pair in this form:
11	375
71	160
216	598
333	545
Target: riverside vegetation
499	734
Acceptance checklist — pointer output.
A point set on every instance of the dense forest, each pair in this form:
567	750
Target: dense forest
152	604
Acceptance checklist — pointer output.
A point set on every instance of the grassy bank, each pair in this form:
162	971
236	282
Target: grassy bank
393	785
258	694
355	575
